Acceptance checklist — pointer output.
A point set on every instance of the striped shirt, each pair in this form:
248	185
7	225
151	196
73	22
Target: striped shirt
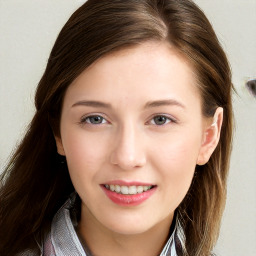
63	240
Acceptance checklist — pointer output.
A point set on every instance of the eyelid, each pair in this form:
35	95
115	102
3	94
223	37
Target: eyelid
84	117
168	116
171	119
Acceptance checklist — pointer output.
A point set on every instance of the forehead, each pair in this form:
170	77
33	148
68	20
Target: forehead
147	71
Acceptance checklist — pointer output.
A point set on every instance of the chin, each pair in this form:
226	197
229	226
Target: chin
129	225
127	230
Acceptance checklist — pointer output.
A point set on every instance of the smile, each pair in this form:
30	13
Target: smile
128	195
127	190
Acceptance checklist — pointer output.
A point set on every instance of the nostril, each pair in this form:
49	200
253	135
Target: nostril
251	86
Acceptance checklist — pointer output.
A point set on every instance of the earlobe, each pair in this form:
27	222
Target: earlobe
59	146
211	137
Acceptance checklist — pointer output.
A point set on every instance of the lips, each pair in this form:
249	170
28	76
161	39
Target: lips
128	193
127	190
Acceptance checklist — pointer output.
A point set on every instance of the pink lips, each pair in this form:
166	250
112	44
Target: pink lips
128	200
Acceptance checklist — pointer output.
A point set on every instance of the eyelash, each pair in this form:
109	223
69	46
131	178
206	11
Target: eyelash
167	120
84	119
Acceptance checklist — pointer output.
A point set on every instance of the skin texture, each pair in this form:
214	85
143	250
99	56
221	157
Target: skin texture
130	145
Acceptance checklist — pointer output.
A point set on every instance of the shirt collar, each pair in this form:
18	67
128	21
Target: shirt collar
63	233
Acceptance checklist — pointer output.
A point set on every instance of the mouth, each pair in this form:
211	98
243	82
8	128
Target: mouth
128	194
128	190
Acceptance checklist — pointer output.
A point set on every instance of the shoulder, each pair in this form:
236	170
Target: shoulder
28	253
48	248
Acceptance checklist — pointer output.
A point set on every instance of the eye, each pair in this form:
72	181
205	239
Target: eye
96	119
161	120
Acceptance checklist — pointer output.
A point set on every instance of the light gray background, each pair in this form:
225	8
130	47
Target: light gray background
28	29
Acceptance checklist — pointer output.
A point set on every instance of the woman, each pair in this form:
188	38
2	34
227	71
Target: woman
128	151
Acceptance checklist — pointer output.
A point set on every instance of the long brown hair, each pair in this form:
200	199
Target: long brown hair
36	183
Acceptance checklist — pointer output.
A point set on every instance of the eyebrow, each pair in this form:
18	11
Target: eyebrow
92	103
168	102
150	104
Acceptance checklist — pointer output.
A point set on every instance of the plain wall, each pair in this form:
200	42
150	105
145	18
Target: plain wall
28	29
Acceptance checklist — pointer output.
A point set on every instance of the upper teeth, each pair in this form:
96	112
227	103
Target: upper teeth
128	190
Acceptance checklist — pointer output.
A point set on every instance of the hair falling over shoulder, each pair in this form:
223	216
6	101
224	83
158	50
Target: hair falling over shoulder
35	184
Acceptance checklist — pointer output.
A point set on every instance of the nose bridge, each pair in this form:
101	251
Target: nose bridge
128	150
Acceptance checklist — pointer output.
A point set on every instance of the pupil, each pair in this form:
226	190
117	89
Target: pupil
96	119
160	120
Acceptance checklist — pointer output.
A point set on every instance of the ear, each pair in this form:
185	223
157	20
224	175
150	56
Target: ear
211	137
59	145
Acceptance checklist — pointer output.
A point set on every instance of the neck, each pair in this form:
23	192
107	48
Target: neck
105	242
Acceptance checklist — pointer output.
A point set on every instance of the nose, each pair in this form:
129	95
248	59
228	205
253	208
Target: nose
128	152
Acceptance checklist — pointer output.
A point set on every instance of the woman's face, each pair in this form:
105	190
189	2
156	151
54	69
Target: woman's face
132	123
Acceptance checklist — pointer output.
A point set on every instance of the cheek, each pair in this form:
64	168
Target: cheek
176	162
179	151
84	153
